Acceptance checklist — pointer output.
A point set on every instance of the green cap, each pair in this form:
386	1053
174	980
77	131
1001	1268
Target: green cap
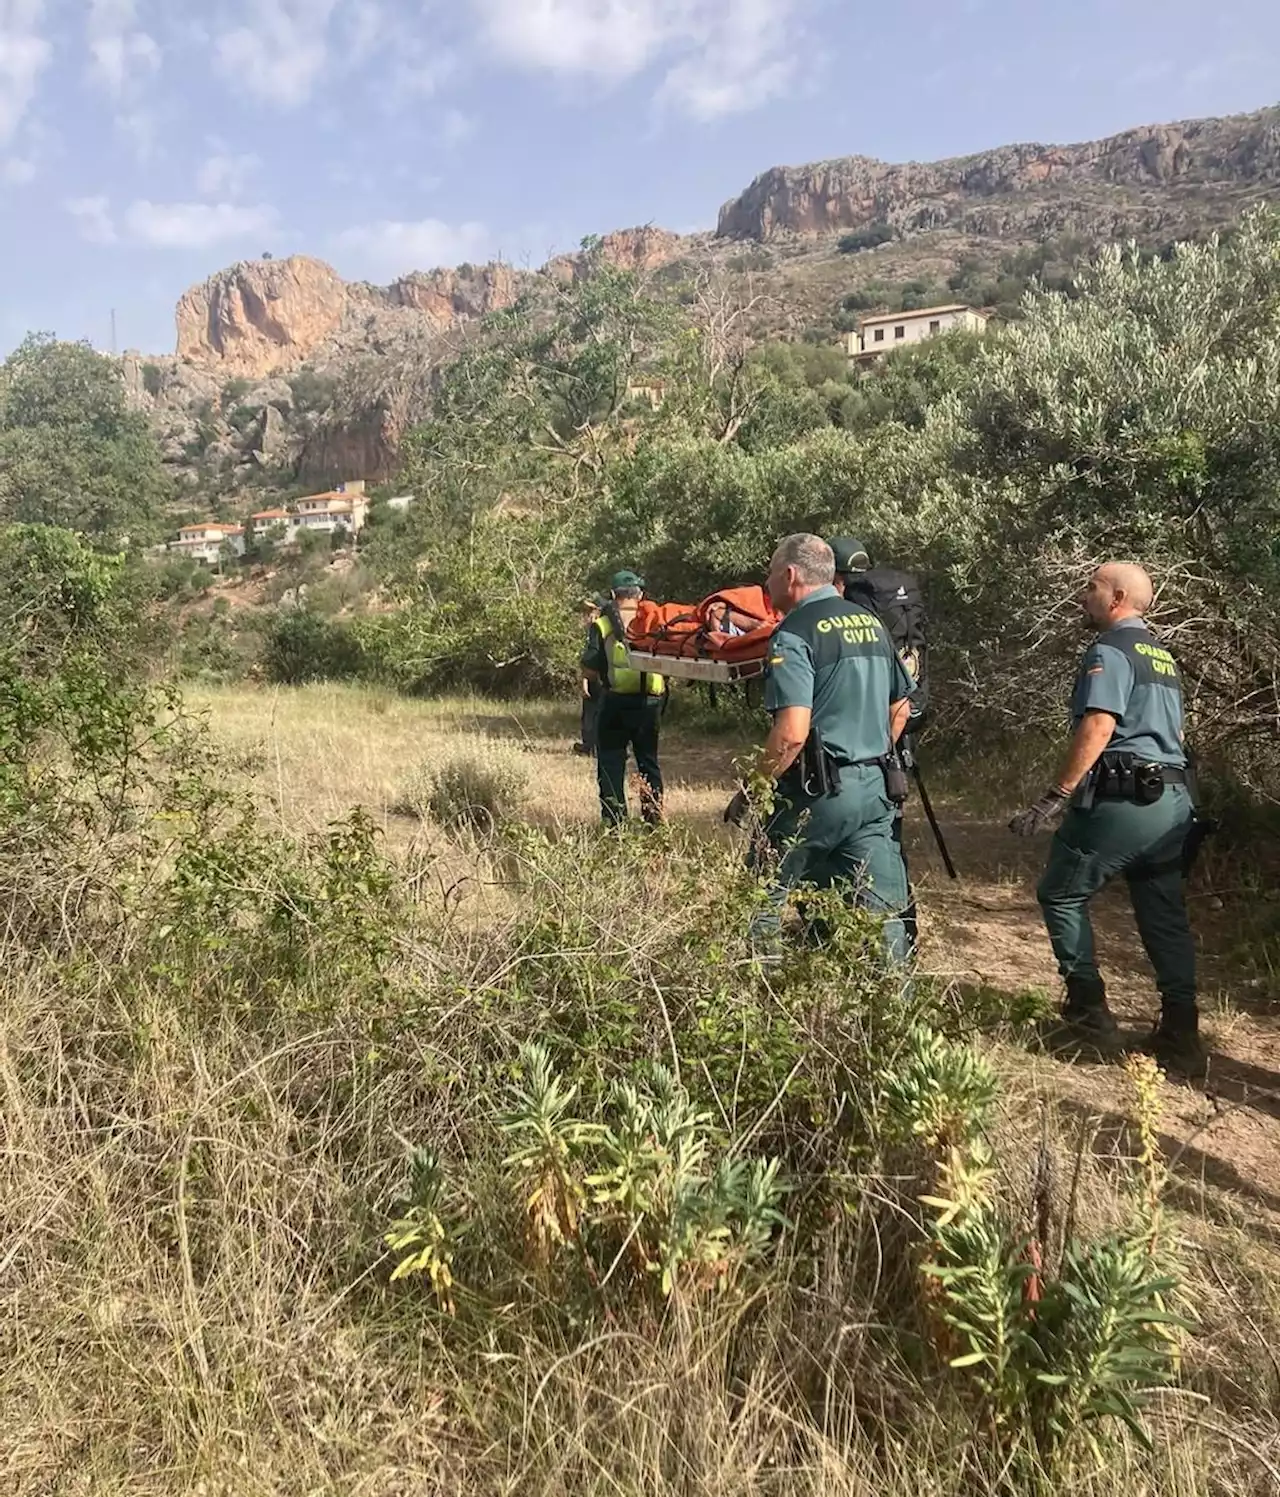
624	579
851	555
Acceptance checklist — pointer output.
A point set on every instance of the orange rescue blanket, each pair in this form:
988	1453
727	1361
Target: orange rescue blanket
733	624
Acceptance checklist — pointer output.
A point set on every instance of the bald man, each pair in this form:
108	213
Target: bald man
1123	801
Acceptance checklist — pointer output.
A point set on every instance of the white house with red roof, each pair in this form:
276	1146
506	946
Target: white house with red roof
204	541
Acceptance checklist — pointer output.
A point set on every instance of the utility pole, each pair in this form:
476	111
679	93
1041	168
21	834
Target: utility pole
114	349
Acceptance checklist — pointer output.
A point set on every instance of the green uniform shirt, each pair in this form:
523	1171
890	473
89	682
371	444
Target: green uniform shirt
838	660
1127	673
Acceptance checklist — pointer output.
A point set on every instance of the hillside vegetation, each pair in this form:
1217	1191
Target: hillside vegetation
1134	414
439	1143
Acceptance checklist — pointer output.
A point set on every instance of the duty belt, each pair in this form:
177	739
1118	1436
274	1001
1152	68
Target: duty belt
1121	776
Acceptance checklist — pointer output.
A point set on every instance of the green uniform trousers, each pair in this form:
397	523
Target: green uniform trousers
628	722
843	841
1145	844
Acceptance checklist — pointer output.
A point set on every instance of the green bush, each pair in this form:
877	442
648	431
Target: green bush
300	646
871	237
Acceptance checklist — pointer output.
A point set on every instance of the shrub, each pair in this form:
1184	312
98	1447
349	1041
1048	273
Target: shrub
234	391
483	790
301	646
865	239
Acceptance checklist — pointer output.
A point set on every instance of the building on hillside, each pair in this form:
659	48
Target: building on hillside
267	520
889	330
326	513
205	541
400	502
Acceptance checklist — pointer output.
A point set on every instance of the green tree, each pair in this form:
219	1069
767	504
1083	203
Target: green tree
71	452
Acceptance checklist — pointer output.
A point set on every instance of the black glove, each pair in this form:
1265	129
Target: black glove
1044	813
735	813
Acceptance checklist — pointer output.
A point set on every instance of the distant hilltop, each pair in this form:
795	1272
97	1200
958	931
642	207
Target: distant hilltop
264	317
1093	186
282	365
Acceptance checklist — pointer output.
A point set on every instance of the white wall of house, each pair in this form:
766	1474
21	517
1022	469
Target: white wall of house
206	545
883	334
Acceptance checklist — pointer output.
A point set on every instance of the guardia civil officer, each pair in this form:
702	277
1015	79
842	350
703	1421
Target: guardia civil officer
630	711
839	697
592	689
853	560
851	557
1124	804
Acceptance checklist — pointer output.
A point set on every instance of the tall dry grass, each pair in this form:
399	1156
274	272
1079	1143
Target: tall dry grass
207	1090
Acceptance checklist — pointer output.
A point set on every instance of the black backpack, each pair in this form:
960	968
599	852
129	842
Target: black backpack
895	597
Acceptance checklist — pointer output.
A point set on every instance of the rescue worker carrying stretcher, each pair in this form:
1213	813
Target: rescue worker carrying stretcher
1125	801
630	711
839	697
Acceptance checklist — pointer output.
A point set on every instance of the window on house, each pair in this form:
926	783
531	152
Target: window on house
900	331
879	335
935	327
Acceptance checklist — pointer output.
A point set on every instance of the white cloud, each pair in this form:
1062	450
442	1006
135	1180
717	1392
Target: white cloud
280	51
16	171
168	225
720	56
93	218
456	127
225	174
24	55
366	29
736	65
420	76
391	248
194	225
120	52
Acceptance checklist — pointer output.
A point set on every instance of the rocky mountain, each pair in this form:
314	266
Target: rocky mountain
283	366
262	317
1152	177
282	369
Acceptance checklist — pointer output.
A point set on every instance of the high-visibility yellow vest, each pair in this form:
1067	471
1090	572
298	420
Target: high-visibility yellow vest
622	679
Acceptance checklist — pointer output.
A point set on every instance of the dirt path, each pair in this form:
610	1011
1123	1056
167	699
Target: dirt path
985	929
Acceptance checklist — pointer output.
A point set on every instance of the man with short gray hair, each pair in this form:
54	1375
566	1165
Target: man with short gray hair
839	698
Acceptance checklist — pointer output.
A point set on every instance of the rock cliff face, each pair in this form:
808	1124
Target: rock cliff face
444	296
642	250
1049	181
261	315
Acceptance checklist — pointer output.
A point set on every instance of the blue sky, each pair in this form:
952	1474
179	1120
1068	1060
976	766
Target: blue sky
146	143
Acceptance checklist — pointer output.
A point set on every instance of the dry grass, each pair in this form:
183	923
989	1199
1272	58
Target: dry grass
191	1197
314	752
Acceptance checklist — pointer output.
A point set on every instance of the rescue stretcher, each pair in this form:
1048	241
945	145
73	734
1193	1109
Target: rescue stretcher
723	639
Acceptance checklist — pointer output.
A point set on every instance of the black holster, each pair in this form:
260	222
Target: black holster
1121	776
897	787
814	774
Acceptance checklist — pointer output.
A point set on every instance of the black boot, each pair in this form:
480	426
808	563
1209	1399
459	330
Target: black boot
1085	1021
1176	1045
